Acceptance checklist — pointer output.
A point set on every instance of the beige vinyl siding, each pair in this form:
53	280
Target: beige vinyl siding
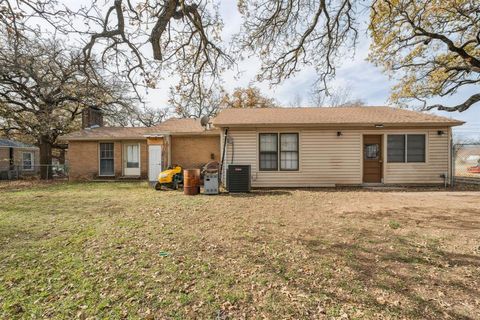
437	162
327	159
320	164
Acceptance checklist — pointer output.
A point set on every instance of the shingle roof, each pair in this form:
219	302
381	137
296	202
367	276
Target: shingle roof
349	116
14	144
175	125
170	126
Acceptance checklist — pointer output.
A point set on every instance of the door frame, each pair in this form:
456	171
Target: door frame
382	156
124	158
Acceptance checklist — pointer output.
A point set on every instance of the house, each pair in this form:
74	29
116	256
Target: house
311	147
18	159
98	152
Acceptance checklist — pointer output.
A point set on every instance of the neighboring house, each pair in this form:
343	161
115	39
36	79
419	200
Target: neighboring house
309	147
18	159
98	152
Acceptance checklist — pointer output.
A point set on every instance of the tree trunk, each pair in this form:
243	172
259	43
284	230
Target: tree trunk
45	158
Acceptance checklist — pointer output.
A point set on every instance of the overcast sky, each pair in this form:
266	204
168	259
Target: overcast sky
365	81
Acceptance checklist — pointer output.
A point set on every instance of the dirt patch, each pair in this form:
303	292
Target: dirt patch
119	250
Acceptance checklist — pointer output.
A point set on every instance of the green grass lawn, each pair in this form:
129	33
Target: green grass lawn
123	250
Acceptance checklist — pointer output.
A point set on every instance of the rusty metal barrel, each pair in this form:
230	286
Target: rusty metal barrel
191	181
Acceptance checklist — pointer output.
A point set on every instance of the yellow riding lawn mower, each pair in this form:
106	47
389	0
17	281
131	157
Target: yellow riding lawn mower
170	178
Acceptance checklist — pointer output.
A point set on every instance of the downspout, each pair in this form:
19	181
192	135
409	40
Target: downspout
452	158
223	153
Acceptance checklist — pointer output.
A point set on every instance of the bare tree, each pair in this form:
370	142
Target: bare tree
340	96
434	43
249	97
296	100
150	117
196	102
184	35
288	35
318	98
44	85
184	39
135	116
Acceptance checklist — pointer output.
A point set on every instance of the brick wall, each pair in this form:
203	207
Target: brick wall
194	151
83	159
143	159
189	152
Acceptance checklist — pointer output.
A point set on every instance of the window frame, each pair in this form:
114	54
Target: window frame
32	162
100	159
267	152
405	137
138	154
278	151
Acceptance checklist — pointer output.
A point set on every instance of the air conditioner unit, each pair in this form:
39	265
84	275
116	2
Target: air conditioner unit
238	178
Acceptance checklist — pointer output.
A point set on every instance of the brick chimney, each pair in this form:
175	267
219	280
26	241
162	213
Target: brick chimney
92	117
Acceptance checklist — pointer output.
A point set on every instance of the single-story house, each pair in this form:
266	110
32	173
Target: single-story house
97	152
311	147
18	159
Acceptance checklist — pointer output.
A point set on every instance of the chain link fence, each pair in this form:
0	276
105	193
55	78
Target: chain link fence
466	163
19	172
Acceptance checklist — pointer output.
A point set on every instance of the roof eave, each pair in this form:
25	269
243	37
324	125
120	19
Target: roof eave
203	133
17	147
336	125
101	138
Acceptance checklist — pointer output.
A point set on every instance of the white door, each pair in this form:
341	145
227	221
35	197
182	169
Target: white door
131	159
154	162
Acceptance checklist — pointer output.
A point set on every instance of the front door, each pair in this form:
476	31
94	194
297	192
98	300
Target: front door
372	159
131	159
154	162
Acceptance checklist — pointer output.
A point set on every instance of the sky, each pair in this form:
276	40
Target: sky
363	79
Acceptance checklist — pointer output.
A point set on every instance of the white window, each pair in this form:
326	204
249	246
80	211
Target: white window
133	156
27	161
106	159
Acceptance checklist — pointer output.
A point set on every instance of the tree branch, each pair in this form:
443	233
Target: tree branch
460	107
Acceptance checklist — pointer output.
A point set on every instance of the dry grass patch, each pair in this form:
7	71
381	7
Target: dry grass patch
126	251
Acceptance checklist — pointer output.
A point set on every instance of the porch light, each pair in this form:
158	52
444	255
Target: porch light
440	132
339	133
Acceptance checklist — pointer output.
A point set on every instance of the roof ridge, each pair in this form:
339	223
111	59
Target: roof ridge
351	115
